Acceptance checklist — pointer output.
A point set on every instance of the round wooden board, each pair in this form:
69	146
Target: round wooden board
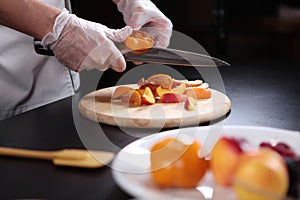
100	107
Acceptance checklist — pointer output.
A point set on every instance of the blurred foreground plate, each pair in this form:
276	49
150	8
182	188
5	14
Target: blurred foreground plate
131	166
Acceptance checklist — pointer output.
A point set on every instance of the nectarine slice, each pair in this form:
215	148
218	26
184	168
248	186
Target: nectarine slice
188	83
176	164
173	98
132	98
198	92
139	40
163	80
261	174
160	91
148	97
190	104
179	89
120	91
225	157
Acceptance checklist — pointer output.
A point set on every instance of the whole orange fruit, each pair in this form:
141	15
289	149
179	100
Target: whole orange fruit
176	164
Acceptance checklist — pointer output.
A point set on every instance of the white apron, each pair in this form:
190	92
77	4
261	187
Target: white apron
28	80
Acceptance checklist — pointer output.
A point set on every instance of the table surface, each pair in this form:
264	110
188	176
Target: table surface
262	94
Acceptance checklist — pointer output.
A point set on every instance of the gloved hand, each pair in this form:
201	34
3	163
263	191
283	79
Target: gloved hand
144	15
81	44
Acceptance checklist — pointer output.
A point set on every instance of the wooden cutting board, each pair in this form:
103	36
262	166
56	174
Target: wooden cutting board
99	106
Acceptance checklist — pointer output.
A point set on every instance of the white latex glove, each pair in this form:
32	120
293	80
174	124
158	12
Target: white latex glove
80	44
144	15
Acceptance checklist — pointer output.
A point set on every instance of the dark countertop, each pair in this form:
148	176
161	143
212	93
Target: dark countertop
262	94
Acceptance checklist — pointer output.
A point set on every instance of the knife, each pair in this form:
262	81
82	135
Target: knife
156	55
174	57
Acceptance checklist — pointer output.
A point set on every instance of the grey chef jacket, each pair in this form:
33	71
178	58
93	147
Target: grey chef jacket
29	80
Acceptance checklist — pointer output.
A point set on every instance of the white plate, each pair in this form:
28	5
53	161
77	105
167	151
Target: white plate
130	168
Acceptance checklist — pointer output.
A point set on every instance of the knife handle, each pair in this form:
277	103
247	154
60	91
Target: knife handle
39	49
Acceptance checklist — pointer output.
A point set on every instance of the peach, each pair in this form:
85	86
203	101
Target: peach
190	104
139	40
163	80
224	159
132	98
261	174
151	86
175	164
160	91
179	89
173	98
198	92
187	83
148	97
120	91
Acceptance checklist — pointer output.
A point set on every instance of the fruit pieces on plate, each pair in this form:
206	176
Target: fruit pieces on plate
293	163
176	164
224	159
253	173
161	88
260	173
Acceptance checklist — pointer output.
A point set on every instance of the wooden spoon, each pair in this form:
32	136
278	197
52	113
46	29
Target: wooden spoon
65	157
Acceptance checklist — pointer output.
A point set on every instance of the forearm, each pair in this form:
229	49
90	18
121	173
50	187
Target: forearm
31	17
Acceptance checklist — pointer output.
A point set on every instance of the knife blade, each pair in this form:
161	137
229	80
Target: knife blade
174	57
166	56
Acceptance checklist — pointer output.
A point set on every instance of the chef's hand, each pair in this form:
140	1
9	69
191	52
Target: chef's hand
81	44
144	15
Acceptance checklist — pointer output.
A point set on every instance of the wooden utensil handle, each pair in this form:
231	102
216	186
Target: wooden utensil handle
7	151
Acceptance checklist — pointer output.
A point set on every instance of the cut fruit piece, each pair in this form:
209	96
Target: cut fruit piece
163	80
175	164
139	40
141	91
194	83
132	98
225	157
120	91
148	97
190	104
261	174
203	85
198	92
179	89
151	86
160	91
173	98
